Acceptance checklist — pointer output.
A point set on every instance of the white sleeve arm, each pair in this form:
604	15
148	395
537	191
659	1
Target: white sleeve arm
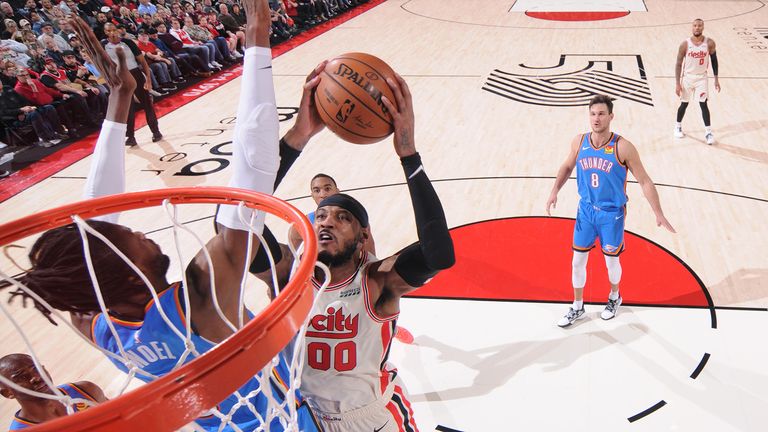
107	174
256	149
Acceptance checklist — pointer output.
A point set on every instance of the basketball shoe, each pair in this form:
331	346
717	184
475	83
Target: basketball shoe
610	309
571	317
710	138
679	132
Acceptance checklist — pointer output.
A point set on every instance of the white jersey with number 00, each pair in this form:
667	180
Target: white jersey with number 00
347	347
696	58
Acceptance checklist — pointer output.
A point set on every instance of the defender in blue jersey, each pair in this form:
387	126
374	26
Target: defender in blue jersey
321	187
60	275
21	370
602	159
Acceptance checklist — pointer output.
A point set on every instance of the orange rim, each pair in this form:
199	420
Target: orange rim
181	396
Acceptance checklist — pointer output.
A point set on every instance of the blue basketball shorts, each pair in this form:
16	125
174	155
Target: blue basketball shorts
593	222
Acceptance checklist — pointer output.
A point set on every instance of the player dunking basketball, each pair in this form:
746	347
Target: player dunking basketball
59	273
602	159
347	379
693	58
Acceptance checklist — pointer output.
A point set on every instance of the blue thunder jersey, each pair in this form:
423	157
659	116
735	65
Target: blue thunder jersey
155	348
602	179
70	390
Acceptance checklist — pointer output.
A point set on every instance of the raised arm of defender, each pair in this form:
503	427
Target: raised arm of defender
255	162
107	172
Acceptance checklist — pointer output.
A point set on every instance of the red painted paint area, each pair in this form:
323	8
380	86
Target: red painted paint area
530	259
52	164
576	16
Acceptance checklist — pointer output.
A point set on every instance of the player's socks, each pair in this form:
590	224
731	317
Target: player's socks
613	295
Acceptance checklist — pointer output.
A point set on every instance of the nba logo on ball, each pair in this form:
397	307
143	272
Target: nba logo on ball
346	109
349	95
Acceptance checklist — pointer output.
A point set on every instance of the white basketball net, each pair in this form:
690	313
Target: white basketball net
282	408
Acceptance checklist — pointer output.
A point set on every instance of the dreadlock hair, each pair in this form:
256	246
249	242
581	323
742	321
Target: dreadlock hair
59	272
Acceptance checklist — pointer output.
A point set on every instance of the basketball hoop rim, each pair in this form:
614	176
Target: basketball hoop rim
181	396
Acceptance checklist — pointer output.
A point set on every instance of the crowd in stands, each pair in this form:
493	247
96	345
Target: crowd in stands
51	90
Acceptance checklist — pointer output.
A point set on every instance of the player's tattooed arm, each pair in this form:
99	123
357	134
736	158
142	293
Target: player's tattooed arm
403	118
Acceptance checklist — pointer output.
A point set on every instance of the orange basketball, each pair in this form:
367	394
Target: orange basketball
348	98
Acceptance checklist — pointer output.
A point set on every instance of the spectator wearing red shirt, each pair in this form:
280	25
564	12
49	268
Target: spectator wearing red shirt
67	107
54	77
191	46
165	70
230	39
18	111
172	48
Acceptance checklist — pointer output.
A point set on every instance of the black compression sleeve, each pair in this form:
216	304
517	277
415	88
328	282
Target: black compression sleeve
288	156
434	252
260	262
714	63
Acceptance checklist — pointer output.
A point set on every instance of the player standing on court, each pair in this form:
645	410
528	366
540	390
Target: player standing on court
601	159
691	81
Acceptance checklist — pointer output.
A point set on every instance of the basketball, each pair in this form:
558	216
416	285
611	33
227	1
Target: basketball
348	98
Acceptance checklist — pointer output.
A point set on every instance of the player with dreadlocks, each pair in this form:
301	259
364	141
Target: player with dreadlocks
60	276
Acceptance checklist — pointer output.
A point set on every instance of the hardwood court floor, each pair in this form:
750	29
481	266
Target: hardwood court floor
498	95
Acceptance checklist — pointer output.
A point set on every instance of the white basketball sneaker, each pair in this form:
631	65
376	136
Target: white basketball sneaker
710	138
571	317
610	309
679	132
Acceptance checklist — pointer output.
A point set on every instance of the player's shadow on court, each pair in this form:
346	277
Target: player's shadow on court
498	364
725	133
744	153
162	162
741	286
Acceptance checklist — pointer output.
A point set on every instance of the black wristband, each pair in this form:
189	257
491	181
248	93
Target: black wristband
411	165
288	156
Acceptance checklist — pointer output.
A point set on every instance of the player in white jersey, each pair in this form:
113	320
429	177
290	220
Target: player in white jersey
693	58
346	378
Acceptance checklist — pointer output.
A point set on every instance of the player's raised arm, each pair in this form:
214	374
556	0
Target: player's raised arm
632	160
564	172
107	173
255	162
419	262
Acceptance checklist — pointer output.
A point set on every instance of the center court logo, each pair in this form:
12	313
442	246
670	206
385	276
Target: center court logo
574	81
